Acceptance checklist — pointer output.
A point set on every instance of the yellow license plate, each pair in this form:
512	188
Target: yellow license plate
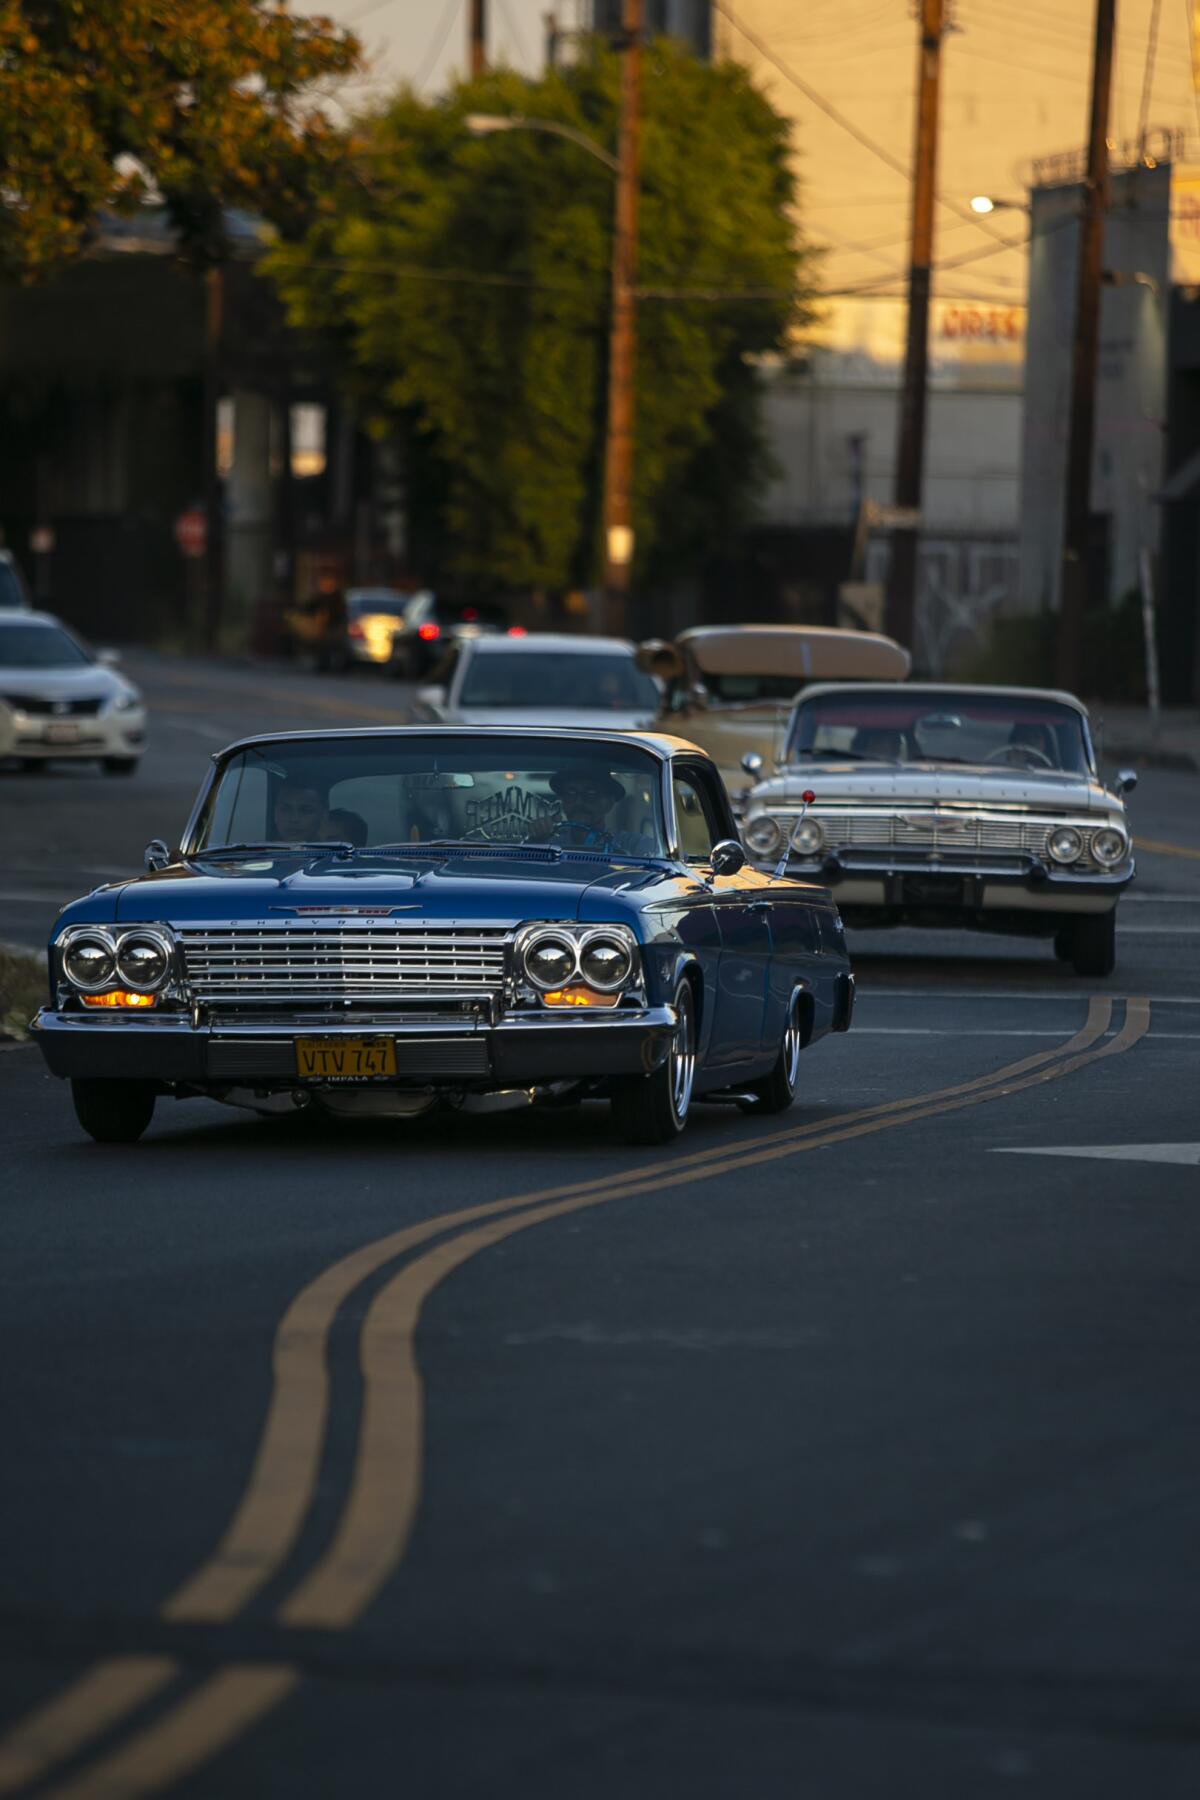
345	1059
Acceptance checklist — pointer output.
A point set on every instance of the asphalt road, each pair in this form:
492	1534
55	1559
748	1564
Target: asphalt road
846	1454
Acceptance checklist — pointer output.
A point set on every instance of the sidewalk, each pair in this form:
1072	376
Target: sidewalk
1129	734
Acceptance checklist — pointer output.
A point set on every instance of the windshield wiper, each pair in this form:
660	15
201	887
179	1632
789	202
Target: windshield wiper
324	847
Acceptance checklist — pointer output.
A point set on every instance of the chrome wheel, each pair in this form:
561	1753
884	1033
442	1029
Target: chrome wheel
683	1055
793	1043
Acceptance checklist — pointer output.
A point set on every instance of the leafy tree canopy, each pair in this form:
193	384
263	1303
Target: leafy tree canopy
204	103
465	284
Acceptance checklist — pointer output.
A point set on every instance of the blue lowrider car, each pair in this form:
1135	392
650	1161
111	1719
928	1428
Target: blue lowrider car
372	922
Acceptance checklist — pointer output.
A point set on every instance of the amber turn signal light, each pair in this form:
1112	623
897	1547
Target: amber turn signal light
118	997
579	996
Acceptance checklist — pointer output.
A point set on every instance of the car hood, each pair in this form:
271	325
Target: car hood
569	718
92	681
488	889
925	784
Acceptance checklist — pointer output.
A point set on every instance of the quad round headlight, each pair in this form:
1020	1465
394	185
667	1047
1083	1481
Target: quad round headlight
809	838
1065	844
763	836
1109	846
605	963
89	962
550	961
142	961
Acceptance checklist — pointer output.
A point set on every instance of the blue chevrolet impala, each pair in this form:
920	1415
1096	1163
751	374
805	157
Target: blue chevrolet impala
376	922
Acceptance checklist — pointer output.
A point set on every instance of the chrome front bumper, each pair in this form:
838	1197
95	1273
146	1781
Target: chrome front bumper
1016	884
518	1051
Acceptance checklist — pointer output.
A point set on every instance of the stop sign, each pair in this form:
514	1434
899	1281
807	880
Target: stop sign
191	531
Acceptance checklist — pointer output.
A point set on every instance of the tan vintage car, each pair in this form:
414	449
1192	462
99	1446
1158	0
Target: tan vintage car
730	688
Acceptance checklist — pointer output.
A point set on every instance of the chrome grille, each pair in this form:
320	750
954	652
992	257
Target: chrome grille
948	833
241	962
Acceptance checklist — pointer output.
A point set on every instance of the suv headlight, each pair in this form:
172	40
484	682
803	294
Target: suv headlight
1065	844
1110	846
762	835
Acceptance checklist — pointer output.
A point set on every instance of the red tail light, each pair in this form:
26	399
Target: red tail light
356	630
517	631
429	632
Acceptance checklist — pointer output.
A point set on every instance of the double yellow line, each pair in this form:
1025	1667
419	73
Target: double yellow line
373	1530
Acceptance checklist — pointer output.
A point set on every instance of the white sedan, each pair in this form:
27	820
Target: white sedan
60	699
545	678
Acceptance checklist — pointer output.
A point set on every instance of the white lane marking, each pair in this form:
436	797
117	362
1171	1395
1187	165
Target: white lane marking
1160	900
1159	930
866	993
1186	1037
1186	1154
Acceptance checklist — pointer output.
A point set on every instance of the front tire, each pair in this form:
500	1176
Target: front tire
113	1112
776	1091
1093	944
654	1108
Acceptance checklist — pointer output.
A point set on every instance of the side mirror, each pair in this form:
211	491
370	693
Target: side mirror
108	659
432	696
752	762
1126	781
728	857
156	855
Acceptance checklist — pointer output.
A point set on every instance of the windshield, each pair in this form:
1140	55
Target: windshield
1007	731
408	790
746	690
360	602
39	647
539	679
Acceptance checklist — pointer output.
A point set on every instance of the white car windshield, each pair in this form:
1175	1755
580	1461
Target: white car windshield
588	682
940	726
405	792
39	647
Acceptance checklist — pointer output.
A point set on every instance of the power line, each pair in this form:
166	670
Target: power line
1148	76
450	14
839	118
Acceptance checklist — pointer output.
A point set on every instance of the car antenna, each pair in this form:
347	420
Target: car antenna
781	866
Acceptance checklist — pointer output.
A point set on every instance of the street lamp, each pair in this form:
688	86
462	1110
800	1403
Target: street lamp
987	203
488	124
622	338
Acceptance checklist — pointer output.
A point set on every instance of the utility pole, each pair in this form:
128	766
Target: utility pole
910	450
214	510
477	33
1077	516
622	347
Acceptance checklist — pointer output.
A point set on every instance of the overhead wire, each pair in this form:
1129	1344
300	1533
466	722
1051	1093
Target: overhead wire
1148	75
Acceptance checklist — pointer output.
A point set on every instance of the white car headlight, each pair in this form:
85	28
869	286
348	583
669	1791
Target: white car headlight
143	961
1065	844
809	838
762	835
1110	846
127	702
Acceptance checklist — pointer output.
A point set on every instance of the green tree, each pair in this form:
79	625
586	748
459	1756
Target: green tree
201	103
465	286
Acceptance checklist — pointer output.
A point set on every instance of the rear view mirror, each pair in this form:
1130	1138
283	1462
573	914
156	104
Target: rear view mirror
752	762
655	657
1125	782
728	857
108	658
156	855
432	696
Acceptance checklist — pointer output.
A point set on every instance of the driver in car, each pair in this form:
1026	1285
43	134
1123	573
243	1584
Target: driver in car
587	796
300	813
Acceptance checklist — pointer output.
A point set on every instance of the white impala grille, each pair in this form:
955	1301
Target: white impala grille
320	962
947	833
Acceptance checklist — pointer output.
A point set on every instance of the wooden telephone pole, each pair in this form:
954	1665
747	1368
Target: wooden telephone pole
910	452
477	35
1077	513
618	437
